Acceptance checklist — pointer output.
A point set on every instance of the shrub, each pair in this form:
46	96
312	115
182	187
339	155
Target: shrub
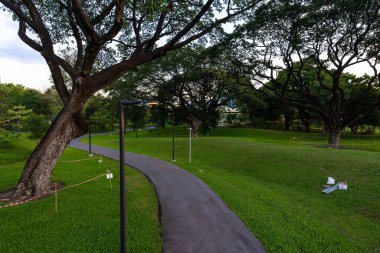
37	125
7	136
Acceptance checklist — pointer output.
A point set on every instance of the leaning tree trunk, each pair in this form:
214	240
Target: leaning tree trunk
35	178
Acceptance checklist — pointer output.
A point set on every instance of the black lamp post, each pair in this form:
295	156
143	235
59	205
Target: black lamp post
173	159
123	211
89	137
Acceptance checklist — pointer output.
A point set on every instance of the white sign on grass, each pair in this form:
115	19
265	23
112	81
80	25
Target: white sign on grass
109	175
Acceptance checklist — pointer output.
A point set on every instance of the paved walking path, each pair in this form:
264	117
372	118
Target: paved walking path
193	218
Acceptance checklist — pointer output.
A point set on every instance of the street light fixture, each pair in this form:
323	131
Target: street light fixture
123	211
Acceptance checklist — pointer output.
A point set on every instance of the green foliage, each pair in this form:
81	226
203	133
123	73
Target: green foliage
47	103
50	103
15	118
59	21
3	100
128	87
367	124
101	112
24	109
37	124
136	115
7	136
150	8
190	82
4	134
301	51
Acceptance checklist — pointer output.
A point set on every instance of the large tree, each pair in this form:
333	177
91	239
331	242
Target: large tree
194	81
130	87
107	39
299	52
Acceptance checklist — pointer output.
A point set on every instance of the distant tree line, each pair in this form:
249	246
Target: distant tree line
193	87
25	109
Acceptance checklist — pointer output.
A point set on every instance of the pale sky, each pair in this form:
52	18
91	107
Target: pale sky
20	64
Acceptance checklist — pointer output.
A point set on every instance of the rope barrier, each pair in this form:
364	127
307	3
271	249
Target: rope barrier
41	196
9	164
68	187
64	161
79	160
83	182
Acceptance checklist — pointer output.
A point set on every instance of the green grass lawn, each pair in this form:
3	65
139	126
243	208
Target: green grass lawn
88	215
348	141
273	181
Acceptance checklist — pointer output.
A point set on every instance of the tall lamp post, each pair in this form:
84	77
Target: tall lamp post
89	137
190	129
173	158
123	211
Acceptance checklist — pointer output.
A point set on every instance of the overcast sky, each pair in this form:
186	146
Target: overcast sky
20	64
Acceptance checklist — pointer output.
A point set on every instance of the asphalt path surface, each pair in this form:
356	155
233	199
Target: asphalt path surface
193	218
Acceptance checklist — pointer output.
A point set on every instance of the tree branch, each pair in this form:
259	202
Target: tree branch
14	6
118	22
84	22
173	43
103	14
77	36
22	34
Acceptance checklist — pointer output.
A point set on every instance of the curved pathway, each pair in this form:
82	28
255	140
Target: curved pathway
193	217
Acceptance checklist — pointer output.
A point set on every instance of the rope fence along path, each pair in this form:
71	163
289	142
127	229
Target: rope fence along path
10	164
63	161
55	191
64	188
78	160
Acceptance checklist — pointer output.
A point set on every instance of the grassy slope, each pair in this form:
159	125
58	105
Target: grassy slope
88	215
274	182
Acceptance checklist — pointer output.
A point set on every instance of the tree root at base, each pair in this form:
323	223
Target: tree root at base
9	196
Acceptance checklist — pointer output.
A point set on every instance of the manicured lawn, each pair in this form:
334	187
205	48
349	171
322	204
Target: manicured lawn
348	141
88	215
273	183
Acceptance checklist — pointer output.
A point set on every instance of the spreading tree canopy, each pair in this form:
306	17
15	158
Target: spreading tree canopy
194	81
93	43
299	51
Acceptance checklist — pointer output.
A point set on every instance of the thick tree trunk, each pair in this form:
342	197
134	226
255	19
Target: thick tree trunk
194	124
287	122
194	131
35	178
323	131
306	125
334	137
